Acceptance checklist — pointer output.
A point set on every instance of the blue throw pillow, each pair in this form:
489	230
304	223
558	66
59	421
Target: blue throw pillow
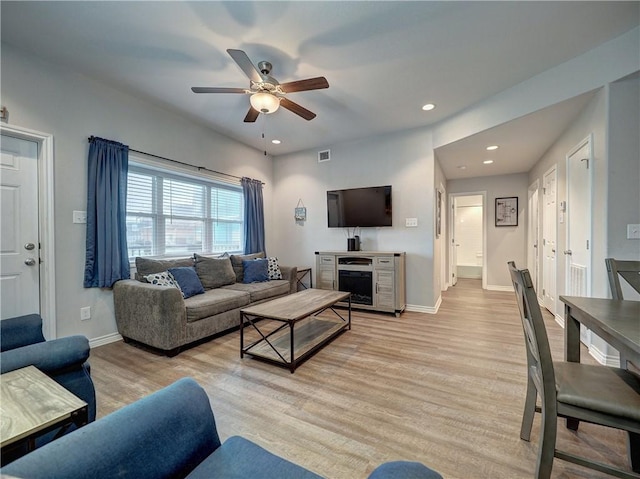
188	280
255	270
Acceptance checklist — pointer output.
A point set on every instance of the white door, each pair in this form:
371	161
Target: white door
549	240
578	218
19	240
453	251
533	258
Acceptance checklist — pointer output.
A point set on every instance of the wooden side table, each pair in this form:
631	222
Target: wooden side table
34	404
304	271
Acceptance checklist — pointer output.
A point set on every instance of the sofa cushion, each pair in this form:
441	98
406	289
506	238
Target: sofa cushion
255	270
162	279
274	269
236	262
261	291
188	280
145	266
214	272
239	458
214	301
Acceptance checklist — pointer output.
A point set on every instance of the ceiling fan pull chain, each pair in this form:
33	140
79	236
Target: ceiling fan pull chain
264	139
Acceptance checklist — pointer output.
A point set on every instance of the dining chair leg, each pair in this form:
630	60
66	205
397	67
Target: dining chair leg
572	423
529	410
633	448
548	431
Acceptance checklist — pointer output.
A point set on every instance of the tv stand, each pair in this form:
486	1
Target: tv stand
375	279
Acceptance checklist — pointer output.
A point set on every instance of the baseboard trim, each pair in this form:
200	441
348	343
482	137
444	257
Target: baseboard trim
102	340
495	287
605	359
416	308
559	319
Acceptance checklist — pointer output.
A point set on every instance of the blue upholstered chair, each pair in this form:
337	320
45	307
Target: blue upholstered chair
64	360
171	433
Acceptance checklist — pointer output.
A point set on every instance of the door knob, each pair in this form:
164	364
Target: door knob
568	252
30	261
29	246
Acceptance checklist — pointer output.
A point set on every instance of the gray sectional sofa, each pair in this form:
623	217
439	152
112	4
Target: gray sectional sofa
159	316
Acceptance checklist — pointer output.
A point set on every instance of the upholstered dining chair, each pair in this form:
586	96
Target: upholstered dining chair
594	394
629	270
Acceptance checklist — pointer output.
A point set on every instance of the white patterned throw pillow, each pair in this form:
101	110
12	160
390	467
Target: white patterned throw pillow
162	279
273	269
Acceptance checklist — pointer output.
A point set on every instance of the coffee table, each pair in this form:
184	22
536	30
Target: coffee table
302	332
34	404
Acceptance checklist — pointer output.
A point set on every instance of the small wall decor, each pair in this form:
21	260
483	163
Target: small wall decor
300	212
507	211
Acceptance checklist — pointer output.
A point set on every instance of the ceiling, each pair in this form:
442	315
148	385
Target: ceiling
383	61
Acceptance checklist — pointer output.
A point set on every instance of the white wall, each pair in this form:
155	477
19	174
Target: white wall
44	97
591	121
404	161
624	170
609	62
504	243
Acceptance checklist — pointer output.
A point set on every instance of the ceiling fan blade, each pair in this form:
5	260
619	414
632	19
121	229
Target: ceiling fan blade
252	115
304	85
245	64
297	109
205	89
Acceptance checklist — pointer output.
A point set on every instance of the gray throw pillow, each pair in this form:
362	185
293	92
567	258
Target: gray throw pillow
146	266
214	272
236	262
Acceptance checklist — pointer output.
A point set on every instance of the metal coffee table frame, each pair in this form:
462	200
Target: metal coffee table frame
305	319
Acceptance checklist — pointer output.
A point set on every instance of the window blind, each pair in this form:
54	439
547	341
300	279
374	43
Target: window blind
174	215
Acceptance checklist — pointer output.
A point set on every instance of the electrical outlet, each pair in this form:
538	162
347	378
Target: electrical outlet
633	231
411	222
85	313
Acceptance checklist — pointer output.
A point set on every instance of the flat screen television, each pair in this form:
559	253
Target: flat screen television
363	207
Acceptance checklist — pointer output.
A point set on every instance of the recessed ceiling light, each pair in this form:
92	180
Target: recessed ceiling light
276	142
462	167
428	107
487	162
492	147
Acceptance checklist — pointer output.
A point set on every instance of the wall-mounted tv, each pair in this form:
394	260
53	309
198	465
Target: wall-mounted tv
363	207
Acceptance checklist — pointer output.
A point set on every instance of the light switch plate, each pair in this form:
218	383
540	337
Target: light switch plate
411	222
633	231
79	216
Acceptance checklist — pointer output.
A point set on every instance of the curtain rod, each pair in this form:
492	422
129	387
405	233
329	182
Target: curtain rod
199	168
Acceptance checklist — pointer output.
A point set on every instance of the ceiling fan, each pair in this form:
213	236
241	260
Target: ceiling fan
267	94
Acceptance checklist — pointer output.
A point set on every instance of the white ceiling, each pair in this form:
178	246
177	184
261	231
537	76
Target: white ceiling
383	61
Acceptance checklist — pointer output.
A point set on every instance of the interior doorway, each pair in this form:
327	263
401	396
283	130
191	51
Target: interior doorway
533	235
549	240
468	237
39	259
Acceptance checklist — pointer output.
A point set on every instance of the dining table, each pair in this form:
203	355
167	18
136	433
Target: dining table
618	323
615	321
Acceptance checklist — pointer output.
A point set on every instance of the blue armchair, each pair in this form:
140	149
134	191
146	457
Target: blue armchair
64	360
171	433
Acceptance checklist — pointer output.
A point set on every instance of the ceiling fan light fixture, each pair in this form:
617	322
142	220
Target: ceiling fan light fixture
264	102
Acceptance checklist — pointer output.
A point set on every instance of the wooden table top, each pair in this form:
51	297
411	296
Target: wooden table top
31	402
619	319
297	305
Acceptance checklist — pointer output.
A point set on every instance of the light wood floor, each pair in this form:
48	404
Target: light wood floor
446	390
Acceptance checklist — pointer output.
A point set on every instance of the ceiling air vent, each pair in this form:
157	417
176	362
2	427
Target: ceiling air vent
324	155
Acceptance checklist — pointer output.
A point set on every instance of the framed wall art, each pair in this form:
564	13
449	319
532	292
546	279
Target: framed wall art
507	211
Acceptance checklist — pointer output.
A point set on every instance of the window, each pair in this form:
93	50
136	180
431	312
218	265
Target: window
174	215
